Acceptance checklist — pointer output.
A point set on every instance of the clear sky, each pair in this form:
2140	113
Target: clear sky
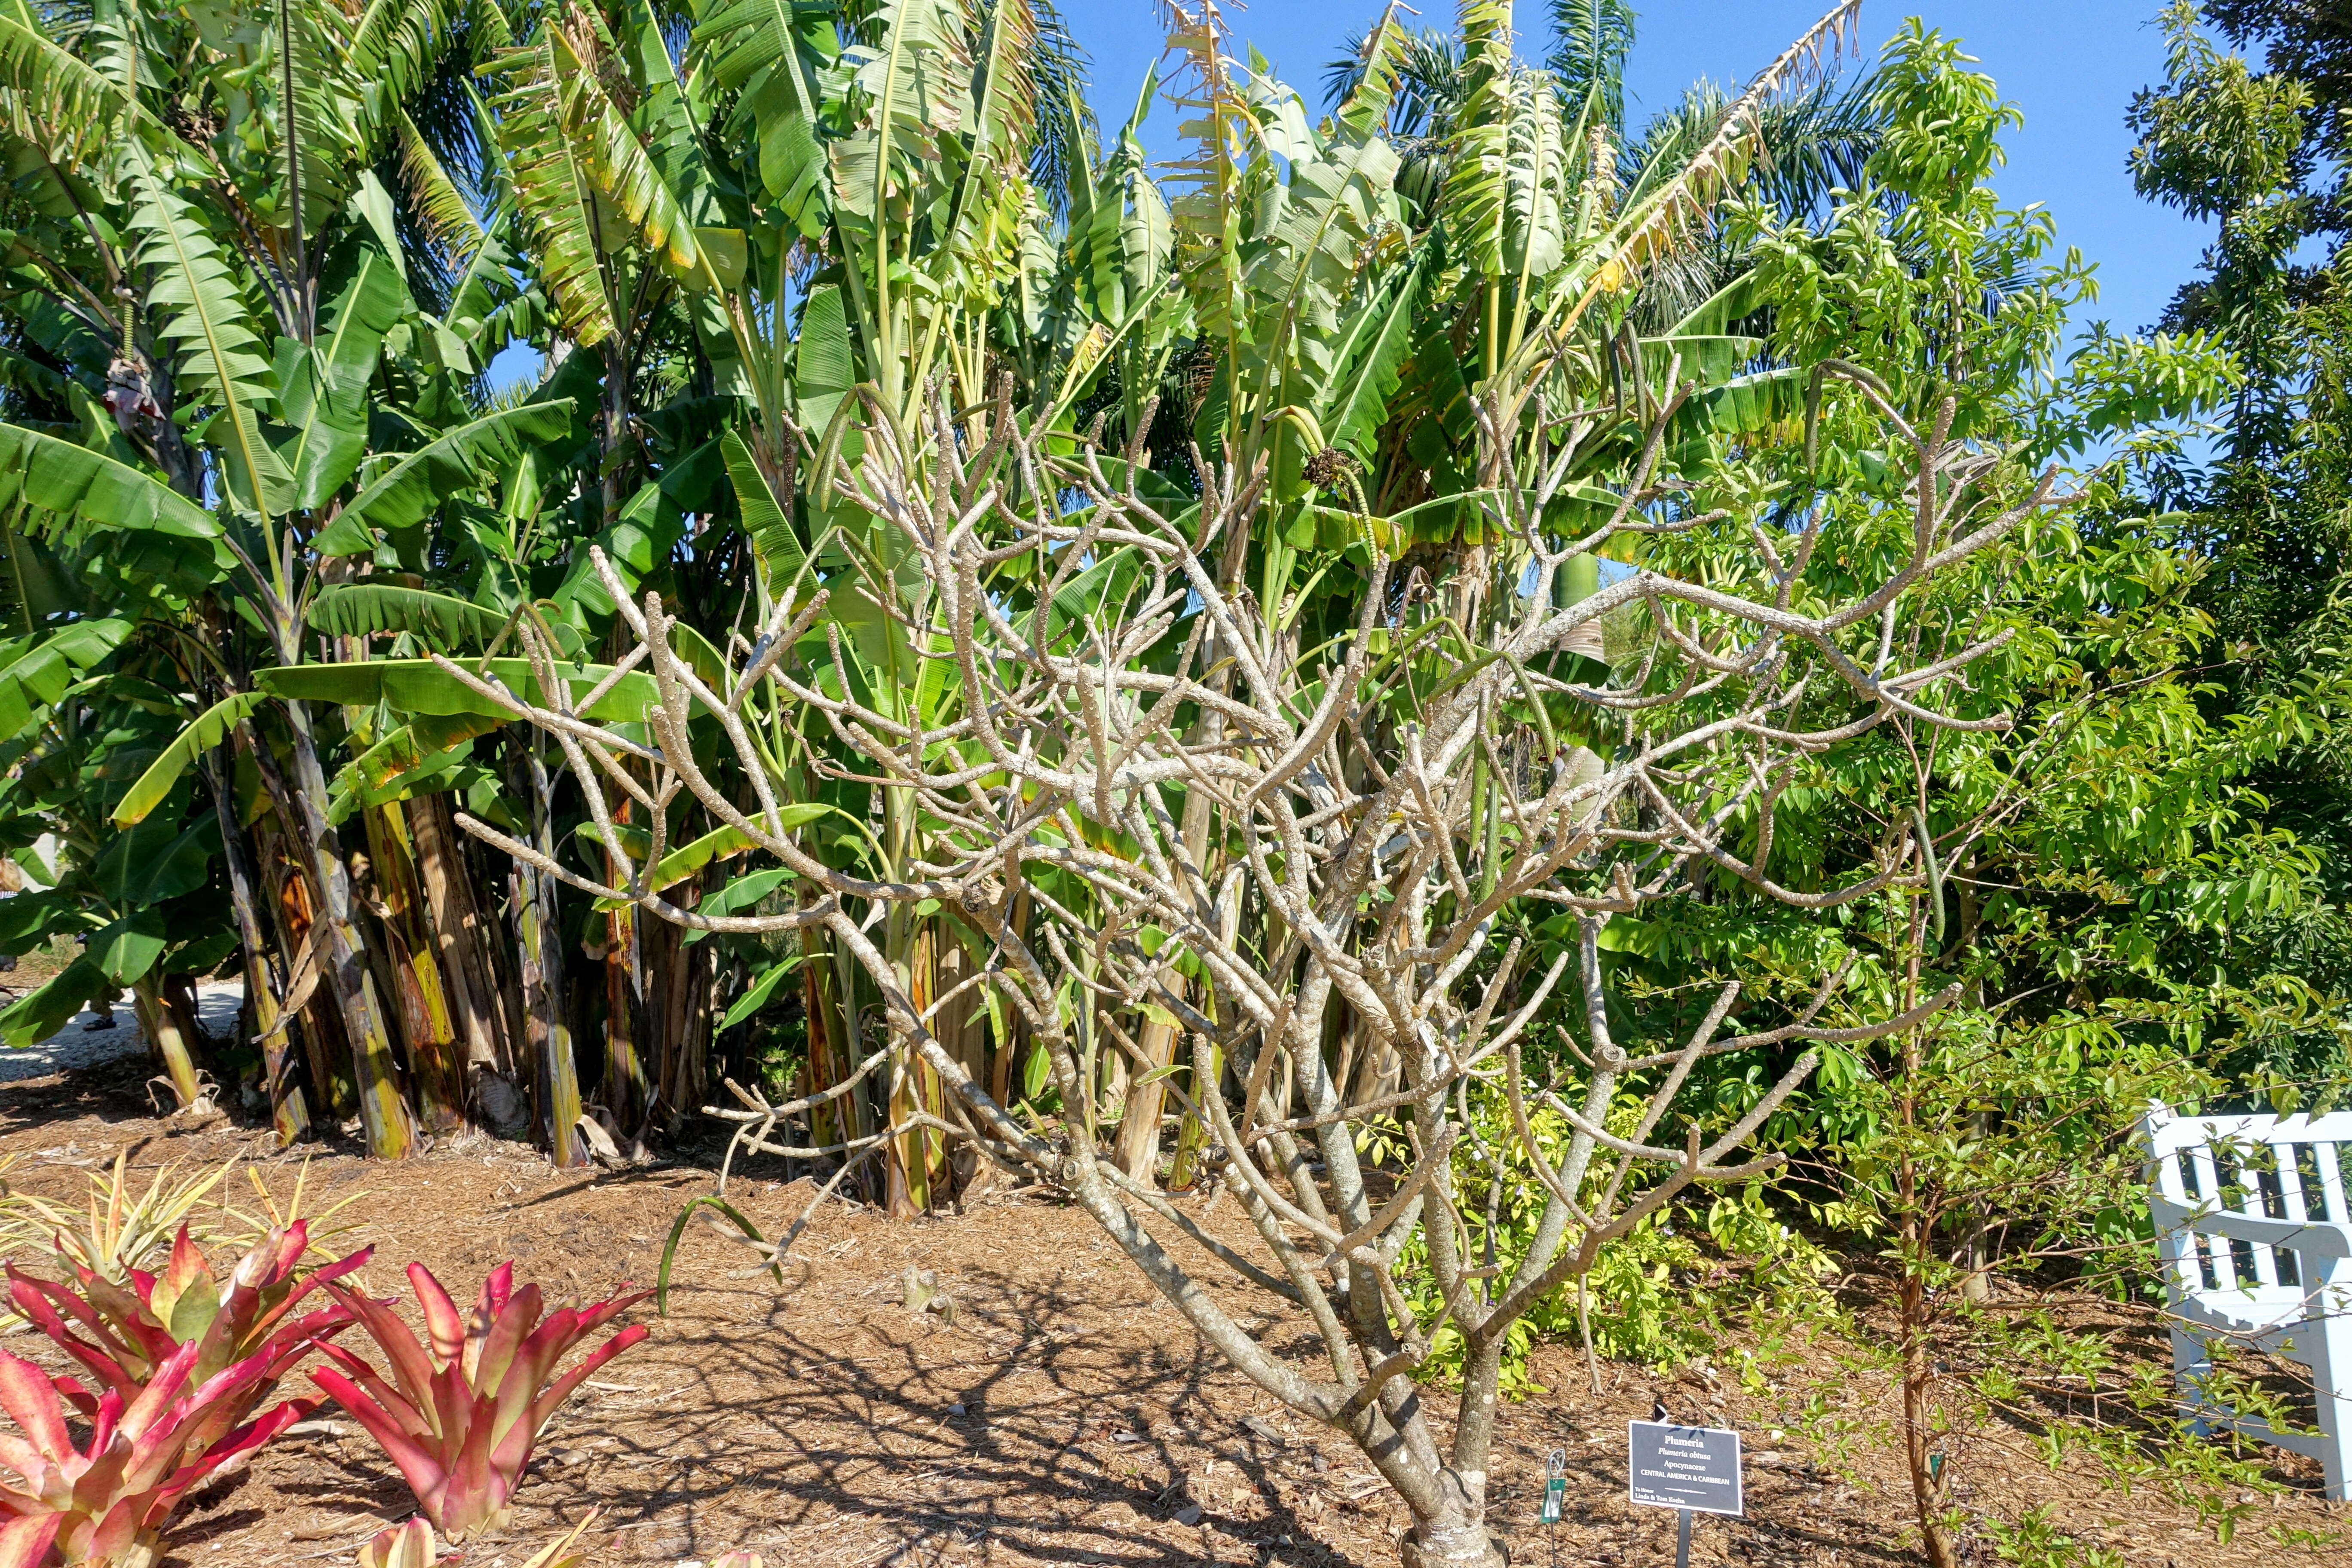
2072	66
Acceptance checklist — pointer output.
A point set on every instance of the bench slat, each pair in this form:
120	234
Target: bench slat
2331	1178
2290	1218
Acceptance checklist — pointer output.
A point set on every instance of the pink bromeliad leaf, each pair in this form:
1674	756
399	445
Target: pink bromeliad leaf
31	1401
460	1416
24	1540
443	1321
183	1365
414	1452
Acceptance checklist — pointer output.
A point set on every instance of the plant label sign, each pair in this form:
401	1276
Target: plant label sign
1696	1468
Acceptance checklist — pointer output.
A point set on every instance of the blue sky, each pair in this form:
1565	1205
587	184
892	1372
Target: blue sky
2072	66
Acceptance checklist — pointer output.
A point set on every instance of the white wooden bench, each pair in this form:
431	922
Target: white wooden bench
2255	1236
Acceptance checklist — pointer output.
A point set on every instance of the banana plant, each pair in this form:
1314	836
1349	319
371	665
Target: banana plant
834	206
217	171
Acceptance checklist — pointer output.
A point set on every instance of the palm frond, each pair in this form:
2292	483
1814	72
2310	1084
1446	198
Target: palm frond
1431	82
396	45
446	214
61	103
1587	57
1809	146
1066	118
208	330
1669	203
554	205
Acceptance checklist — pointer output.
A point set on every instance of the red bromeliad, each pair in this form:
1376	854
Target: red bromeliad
123	1334
181	1366
108	1501
460	1419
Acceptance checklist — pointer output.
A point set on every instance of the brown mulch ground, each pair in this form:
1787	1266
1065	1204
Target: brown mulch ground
1064	1416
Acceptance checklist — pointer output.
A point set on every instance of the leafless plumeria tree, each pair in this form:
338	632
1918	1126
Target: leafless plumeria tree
1334	840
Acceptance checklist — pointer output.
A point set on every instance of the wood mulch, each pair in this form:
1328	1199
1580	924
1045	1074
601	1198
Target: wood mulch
1063	1416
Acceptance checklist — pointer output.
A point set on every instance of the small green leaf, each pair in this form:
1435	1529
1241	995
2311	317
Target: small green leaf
756	997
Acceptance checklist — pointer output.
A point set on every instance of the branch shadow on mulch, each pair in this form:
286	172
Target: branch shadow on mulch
920	1442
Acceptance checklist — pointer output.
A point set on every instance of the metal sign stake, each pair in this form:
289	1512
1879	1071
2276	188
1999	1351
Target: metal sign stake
1691	1469
1555	1495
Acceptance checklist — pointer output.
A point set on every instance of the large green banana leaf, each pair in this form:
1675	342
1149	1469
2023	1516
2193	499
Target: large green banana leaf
416	686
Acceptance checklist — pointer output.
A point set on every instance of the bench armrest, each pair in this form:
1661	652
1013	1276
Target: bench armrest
2320	1237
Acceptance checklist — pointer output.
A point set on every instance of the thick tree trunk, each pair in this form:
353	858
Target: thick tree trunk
1449	1529
557	1082
291	911
554	1091
1192	1139
827	1062
431	1031
456	929
179	995
677	981
624	1089
384	1109
1457	1536
962	1026
289	1114
916	1159
662	954
1138	1130
862	1104
501	956
1011	1050
685	1065
164	1033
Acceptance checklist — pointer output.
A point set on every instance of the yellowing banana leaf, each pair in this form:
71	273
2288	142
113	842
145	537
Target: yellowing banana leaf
203	733
406	749
439	771
1747	406
718	845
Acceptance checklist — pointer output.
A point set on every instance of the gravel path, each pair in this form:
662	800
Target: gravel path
78	1044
